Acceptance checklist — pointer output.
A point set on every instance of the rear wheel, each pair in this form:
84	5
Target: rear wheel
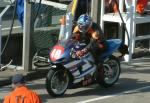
111	72
57	81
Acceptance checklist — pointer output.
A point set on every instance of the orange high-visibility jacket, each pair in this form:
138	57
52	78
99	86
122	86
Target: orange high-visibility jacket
141	5
22	95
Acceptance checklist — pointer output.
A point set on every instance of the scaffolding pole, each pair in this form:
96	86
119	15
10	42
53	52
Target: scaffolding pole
0	37
27	30
95	10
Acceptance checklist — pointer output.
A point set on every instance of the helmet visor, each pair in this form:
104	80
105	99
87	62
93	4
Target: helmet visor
83	28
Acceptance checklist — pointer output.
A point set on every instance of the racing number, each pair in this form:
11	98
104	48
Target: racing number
56	52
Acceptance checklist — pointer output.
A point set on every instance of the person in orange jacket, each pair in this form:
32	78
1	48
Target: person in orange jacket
140	7
21	94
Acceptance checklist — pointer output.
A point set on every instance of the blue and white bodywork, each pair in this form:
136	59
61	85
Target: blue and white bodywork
68	71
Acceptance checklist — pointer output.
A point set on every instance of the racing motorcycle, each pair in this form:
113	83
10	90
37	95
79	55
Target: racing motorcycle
68	71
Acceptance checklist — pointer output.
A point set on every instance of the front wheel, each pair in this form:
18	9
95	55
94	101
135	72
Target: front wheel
57	81
111	72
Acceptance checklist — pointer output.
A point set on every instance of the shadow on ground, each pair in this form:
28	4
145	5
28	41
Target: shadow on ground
123	85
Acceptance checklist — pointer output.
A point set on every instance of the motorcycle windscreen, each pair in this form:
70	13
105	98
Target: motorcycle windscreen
56	53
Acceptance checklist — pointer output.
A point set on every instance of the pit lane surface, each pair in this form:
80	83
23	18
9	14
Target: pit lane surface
132	87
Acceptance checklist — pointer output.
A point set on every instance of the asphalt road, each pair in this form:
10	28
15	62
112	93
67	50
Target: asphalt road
132	87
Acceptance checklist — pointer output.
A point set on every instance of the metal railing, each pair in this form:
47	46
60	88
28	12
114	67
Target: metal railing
131	18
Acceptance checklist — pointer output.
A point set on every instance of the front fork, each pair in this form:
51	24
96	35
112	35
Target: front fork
62	74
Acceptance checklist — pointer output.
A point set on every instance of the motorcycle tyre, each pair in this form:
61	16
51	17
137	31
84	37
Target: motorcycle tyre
102	81
48	83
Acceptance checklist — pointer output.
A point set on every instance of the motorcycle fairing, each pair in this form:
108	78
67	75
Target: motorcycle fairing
81	67
113	45
60	54
56	52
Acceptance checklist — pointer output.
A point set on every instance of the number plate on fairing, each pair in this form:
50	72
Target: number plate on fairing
56	52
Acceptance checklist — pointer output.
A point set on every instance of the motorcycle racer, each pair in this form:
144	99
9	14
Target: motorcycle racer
90	33
68	71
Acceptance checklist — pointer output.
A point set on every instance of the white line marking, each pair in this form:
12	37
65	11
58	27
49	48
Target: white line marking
6	88
113	95
13	28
